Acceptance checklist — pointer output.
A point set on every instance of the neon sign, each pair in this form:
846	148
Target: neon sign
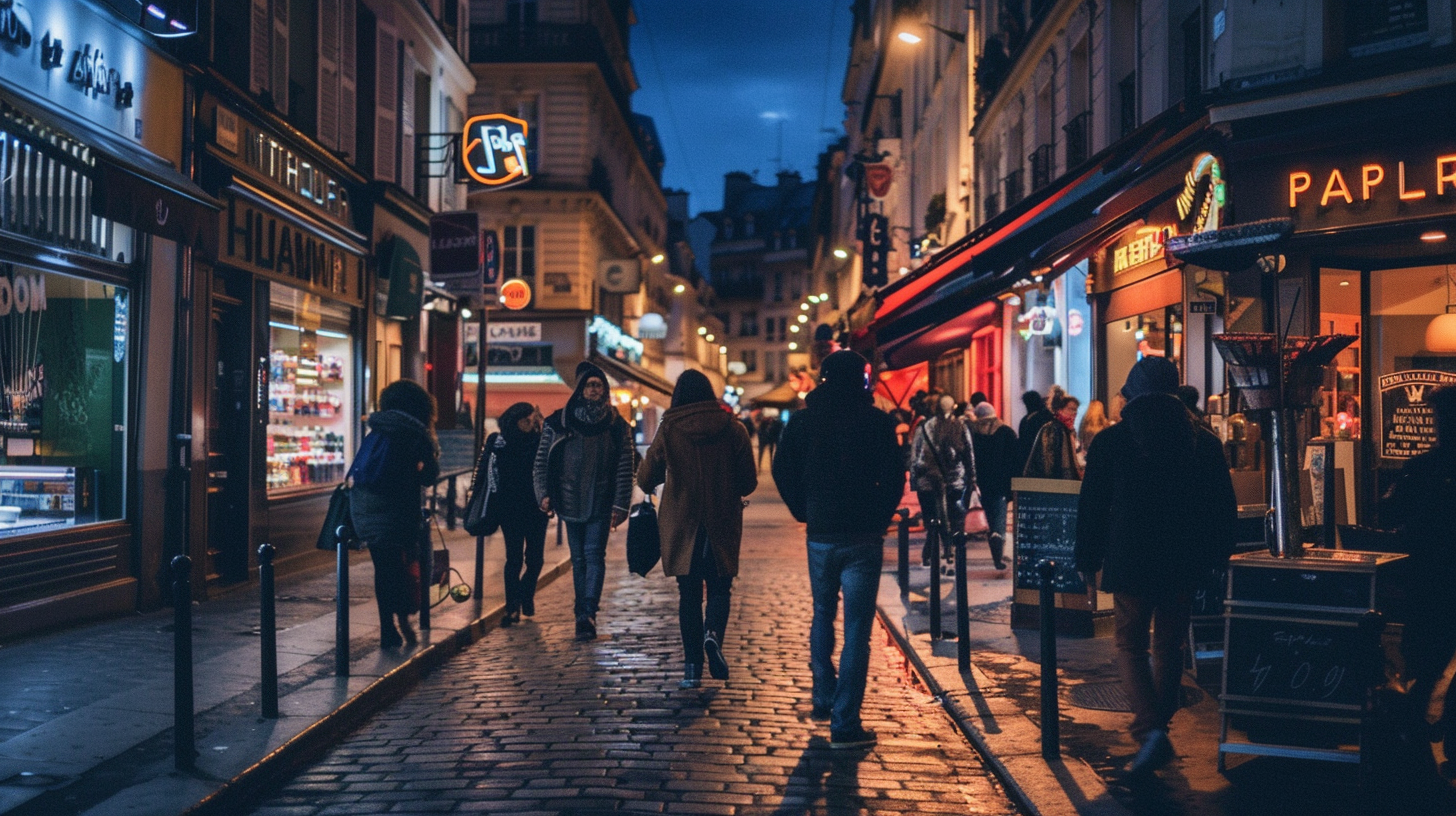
1146	246
1371	176
495	149
1200	204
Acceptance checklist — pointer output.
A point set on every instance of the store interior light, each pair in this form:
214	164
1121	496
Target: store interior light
679	289
840	254
467	314
1433	237
335	335
288	326
1441	331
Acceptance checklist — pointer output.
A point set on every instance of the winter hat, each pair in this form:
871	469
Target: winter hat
985	410
845	371
692	387
1151	375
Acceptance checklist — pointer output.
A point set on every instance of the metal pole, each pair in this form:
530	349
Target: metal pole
963	603
1050	724
268	629
427	569
1287	541
902	535
341	615
185	741
1329	495
932	542
479	570
450	499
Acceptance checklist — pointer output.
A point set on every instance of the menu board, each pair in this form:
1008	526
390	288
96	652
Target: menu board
1407	423
1046	528
1295	660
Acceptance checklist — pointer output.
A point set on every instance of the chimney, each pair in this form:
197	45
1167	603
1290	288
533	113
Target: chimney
735	185
677	205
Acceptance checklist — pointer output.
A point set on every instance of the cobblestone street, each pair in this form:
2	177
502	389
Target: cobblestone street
529	721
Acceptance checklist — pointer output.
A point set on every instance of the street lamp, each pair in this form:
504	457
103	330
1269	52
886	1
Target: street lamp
841	254
914	39
679	289
658	258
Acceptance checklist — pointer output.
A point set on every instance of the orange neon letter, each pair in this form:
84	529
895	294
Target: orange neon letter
1445	171
1336	187
1408	195
1299	181
1370	175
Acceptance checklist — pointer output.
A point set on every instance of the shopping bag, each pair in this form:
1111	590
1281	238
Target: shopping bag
644	546
338	523
976	521
482	512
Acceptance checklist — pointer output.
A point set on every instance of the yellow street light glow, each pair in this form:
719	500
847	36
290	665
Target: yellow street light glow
466	313
658	258
708	337
1434	236
679	289
803	318
722	349
702	330
793	347
794	328
804	306
908	38
813	298
840	254
823	295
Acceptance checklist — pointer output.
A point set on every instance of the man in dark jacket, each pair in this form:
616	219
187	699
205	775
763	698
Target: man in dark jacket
1156	513
583	473
996	464
1037	415
839	470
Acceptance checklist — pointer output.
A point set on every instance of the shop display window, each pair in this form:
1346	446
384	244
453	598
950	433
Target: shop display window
1155	333
310	392
1340	400
64	348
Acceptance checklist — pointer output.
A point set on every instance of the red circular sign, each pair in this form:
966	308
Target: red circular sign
1074	322
515	294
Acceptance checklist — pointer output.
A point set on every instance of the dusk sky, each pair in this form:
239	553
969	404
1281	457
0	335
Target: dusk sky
720	79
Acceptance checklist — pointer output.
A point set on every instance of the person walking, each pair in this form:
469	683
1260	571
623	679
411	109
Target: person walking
769	431
1419	502
704	460
995	445
1156	513
943	472
583	473
522	523
1037	415
1054	453
841	474
396	461
1094	421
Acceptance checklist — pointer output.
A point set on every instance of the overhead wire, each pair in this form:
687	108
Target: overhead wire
683	152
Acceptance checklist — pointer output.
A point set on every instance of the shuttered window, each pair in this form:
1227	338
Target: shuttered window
348	83
407	124
386	104
268	51
329	37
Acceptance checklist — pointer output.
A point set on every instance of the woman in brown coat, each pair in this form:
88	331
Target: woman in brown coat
702	456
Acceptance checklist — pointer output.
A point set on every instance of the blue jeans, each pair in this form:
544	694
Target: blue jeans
855	570
995	507
588	543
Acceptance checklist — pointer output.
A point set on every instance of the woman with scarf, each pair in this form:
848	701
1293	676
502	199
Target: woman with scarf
703	458
1054	454
583	473
399	453
522	524
995	446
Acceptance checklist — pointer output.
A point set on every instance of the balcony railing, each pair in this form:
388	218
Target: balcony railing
1079	138
1012	185
1041	167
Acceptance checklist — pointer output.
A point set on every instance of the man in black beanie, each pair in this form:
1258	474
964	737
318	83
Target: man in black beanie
1156	514
840	471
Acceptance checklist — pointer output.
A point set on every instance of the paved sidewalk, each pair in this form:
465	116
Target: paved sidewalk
86	720
528	721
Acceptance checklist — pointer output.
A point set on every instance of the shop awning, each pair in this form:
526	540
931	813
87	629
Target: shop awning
626	371
784	395
158	200
922	315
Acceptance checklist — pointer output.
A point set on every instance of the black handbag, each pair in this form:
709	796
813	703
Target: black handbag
644	544
482	512
338	523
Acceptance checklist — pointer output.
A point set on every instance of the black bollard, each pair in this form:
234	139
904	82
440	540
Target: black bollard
902	538
450	505
268	629
932	543
963	603
341	616
479	571
427	569
1050	717
560	530
185	739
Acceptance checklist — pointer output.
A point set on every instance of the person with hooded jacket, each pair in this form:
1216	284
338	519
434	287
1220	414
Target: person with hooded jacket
522	524
996	464
943	471
1156	513
583	473
703	458
839	471
385	510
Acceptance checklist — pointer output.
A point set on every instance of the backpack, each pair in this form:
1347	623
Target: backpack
369	463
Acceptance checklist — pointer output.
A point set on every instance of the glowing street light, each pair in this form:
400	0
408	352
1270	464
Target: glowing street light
702	330
679	289
803	318
908	38
841	254
659	258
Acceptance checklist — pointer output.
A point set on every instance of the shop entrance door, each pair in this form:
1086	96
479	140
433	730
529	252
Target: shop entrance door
228	463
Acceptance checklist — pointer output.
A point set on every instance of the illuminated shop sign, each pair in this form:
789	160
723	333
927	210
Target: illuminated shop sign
495	149
1038	321
1146	244
1372	180
275	161
1343	188
261	242
613	342
1204	195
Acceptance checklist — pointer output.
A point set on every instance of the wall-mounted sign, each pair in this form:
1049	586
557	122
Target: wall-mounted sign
268	244
878	178
272	159
490	258
455	251
513	333
1038	321
652	326
515	294
495	150
1408	425
1143	245
613	342
1204	195
400	264
1075	322
875	230
1202	307
619	276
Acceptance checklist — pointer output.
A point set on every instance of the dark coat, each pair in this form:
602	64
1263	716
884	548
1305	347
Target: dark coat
1026	434
702	456
387	513
839	468
1054	454
942	455
515	458
1157	508
587	476
1419	504
996	462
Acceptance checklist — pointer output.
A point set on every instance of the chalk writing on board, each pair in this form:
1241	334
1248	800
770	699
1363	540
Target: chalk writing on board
1046	527
1295	661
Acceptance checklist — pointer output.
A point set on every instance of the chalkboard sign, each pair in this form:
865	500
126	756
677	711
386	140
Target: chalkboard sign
1317	662
1046	527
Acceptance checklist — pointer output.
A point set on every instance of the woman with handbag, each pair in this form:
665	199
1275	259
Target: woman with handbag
400	452
943	472
704	460
507	499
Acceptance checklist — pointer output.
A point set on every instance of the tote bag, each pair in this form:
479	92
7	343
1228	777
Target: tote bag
644	546
338	520
482	513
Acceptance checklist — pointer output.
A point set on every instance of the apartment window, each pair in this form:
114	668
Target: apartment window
1127	104
518	256
768	329
796	286
748	324
770	372
783	328
749	358
778	292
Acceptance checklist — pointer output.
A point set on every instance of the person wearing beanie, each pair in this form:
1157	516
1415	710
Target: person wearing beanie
1037	415
995	445
839	471
583	473
703	458
1155	515
522	523
943	473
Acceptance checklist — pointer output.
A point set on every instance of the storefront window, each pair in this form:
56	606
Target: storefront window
63	361
310	391
1340	400
1155	333
1402	304
1052	344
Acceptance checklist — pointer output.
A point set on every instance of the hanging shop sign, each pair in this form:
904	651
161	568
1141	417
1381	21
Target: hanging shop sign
399	264
1204	196
878	178
619	276
1408	425
275	246
652	326
495	150
875	233
1038	321
513	333
1075	322
455	250
490	260
613	342
515	294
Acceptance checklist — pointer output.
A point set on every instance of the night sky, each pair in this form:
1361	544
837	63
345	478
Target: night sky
720	78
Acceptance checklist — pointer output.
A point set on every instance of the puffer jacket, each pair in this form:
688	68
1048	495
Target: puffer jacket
942	455
702	457
387	513
586	476
1054	454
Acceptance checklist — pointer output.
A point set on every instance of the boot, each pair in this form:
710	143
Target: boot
717	666
511	617
407	630
586	627
388	636
998	550
692	676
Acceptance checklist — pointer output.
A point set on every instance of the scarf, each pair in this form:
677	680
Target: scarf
589	417
1066	422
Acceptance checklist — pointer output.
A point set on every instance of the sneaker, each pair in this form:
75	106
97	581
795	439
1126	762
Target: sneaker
717	666
820	713
586	627
1156	752
852	740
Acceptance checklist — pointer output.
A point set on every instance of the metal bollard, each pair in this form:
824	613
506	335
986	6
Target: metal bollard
932	543
341	615
902	536
1050	716
479	571
450	505
427	569
268	629
963	602
185	739
559	530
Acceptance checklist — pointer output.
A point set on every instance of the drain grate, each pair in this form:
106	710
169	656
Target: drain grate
1111	697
